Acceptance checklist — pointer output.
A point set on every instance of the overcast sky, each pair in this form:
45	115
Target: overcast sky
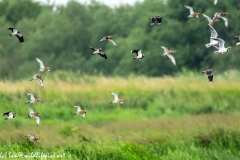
110	3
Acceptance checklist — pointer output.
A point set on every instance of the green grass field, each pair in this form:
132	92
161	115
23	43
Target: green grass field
168	118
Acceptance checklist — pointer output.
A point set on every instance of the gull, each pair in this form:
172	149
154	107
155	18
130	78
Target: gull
210	20
109	38
167	52
39	78
192	13
15	32
223	17
221	48
80	111
209	73
213	35
37	120
116	99
238	44
98	51
32	113
32	138
33	99
139	54
9	115
157	19
215	2
42	67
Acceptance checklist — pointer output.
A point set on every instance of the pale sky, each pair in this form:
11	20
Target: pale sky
110	3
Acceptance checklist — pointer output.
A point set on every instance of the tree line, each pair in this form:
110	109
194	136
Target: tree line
61	36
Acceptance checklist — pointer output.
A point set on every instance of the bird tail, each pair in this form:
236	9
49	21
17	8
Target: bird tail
10	34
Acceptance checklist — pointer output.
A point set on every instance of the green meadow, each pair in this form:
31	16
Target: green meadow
168	118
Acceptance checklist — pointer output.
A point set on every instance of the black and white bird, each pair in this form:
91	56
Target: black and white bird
139	54
214	34
238	44
157	19
15	32
98	51
221	47
109	38
209	73
9	115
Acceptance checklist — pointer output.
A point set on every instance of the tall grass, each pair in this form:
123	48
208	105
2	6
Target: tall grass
181	117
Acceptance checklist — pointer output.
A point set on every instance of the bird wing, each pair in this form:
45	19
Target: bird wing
84	114
207	17
78	108
7	113
213	32
210	78
20	37
190	9
135	51
40	63
225	21
94	49
31	111
159	19
115	96
40	81
103	39
221	42
11	29
215	2
153	19
172	58
165	50
112	42
102	54
32	96
37	119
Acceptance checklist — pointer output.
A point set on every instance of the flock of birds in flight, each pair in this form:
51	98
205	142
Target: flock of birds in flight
214	42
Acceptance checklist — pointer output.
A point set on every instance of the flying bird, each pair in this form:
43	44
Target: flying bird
9	115
238	44
223	17
32	138
109	38
80	111
167	52
33	99
42	67
39	78
98	51
157	19
139	54
32	113
210	20
192	13
116	99
221	48
209	73
214	34
16	33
